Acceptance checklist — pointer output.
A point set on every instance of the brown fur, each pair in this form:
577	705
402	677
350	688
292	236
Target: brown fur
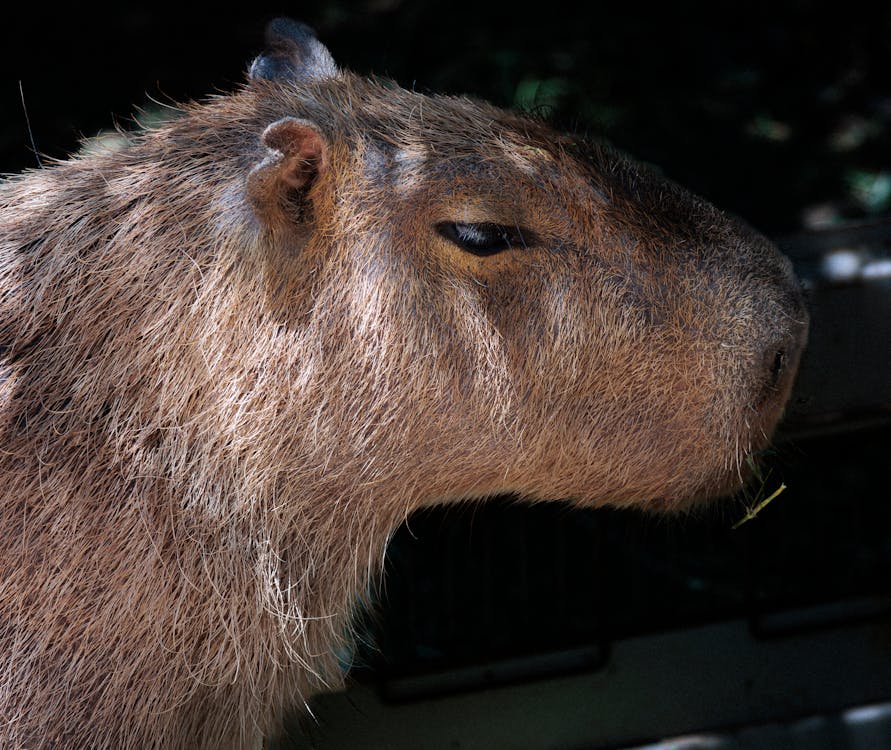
231	370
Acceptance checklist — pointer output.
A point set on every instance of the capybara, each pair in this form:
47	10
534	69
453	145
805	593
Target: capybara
240	349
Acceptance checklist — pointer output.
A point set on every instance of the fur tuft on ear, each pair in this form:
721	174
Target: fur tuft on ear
292	54
297	153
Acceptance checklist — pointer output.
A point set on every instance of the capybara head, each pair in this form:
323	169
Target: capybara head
239	350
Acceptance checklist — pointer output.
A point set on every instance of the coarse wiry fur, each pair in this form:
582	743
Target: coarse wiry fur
218	405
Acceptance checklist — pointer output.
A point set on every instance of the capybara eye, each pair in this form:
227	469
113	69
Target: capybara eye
486	238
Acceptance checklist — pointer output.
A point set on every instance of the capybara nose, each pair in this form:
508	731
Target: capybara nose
778	365
779	361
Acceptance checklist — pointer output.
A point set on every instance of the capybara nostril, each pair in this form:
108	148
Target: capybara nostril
779	363
773	367
777	366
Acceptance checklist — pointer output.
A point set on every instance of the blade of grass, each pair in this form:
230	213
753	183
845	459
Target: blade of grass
754	511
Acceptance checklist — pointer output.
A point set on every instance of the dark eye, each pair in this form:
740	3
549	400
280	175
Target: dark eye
483	239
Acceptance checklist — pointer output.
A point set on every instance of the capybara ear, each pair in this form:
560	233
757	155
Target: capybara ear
296	154
292	54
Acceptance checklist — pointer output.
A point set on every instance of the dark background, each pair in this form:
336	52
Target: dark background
770	110
778	112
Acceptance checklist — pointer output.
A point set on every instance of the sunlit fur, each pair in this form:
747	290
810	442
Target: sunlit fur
215	412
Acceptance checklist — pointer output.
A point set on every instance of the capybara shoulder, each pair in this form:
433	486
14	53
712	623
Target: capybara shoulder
240	349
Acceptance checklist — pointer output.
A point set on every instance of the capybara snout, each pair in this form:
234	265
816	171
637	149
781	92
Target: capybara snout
620	339
241	349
